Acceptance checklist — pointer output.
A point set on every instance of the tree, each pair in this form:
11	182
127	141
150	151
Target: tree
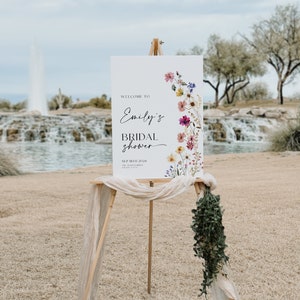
229	65
278	41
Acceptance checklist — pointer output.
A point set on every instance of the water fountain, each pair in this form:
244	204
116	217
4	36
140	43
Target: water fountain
37	100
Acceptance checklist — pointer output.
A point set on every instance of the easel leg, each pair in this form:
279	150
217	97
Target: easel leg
198	189
150	245
99	246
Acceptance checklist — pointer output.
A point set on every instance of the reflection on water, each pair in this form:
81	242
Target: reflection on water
37	157
40	157
237	147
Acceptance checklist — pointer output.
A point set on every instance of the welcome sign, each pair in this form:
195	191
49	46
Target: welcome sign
157	116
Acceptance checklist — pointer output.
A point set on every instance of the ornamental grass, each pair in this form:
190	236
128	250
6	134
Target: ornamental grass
7	166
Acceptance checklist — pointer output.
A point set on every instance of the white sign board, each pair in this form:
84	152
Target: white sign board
157	116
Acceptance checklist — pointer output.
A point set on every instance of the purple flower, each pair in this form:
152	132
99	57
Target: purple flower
191	86
184	121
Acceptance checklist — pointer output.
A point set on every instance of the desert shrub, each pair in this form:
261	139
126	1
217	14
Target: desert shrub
296	96
101	102
255	91
19	106
287	138
4	105
53	103
7	167
80	105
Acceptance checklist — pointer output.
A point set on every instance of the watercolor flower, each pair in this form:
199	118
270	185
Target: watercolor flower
180	137
191	86
181	105
187	158
171	158
191	138
179	92
192	104
185	121
190	145
169	77
179	149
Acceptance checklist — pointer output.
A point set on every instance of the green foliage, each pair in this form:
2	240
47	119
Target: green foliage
295	96
53	103
196	50
4	105
81	105
278	41
287	138
7	167
101	102
19	106
230	63
209	236
255	91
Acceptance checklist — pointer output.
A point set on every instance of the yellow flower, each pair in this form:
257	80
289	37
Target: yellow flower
179	149
179	92
171	158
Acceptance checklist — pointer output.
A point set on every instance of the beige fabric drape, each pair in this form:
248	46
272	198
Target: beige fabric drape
97	211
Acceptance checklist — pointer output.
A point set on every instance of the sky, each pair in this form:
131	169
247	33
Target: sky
77	38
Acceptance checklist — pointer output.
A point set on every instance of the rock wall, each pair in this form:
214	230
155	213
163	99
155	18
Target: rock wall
61	129
252	124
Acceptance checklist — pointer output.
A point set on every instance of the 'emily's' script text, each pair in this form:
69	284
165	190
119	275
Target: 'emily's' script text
145	117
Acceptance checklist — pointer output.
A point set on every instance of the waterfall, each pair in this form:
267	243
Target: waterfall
46	143
92	128
37	100
55	129
244	129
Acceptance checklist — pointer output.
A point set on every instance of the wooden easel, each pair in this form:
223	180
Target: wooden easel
154	50
197	185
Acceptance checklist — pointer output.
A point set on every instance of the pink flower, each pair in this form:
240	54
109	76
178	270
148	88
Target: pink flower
169	77
191	139
184	121
190	145
181	105
180	137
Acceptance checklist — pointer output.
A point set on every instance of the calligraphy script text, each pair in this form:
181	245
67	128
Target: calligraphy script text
137	141
145	117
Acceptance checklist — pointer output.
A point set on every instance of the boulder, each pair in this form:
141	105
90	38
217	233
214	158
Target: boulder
243	112
233	111
273	114
213	113
258	112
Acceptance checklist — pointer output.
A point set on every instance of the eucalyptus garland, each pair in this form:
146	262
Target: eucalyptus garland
209	237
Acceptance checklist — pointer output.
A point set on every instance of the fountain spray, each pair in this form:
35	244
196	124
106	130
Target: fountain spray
37	100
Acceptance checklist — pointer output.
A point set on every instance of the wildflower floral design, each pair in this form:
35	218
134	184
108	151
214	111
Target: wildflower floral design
186	158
